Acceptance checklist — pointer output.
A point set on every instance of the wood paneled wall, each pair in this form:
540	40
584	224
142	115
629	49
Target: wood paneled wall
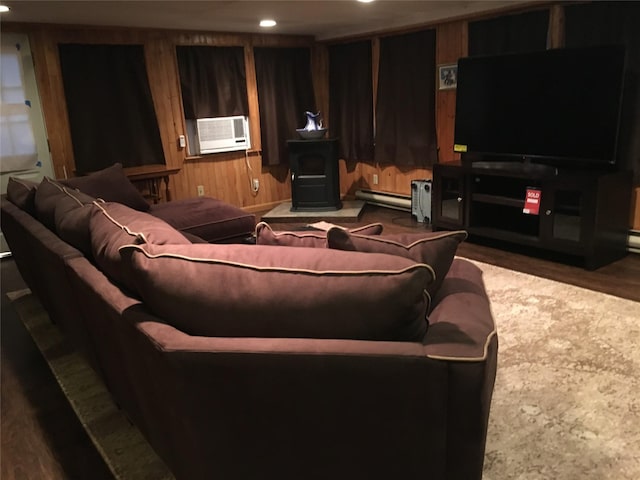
635	209
225	175
228	176
451	44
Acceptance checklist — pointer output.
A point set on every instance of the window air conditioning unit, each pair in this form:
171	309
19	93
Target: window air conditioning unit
223	134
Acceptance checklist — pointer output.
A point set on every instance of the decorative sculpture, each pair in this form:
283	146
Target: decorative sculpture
313	130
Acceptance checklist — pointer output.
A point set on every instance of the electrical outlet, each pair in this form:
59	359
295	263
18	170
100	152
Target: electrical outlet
256	184
375	179
201	190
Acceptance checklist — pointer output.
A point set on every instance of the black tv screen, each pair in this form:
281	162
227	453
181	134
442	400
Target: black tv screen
558	107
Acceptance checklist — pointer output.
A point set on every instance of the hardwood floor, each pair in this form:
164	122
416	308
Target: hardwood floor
42	438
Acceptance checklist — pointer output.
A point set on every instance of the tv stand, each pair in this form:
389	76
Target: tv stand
525	167
583	215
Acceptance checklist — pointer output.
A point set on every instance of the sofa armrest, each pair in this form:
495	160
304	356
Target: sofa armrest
461	325
462	335
40	255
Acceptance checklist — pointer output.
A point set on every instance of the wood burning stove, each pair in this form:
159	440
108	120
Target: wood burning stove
315	178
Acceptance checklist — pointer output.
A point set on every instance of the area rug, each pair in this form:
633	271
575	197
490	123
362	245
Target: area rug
565	404
121	445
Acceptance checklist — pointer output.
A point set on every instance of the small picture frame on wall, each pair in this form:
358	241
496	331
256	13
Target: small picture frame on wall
448	76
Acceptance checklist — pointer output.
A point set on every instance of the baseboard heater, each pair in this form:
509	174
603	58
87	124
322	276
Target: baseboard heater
385	199
633	241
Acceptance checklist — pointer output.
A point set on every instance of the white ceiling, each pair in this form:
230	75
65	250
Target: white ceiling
323	19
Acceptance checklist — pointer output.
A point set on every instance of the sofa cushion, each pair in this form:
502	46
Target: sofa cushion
208	218
308	238
434	248
72	214
73	228
22	193
113	225
110	184
48	194
268	291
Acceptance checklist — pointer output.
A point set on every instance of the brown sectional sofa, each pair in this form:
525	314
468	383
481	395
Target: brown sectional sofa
272	361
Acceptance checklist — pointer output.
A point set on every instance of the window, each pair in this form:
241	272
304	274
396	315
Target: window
609	23
17	143
517	33
351	97
111	113
285	92
405	108
213	84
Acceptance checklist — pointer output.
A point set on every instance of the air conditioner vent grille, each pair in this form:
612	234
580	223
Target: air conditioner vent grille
210	131
223	134
238	126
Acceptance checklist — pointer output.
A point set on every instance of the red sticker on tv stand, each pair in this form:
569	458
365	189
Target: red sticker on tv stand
532	201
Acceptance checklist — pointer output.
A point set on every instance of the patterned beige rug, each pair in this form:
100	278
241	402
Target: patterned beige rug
566	401
565	404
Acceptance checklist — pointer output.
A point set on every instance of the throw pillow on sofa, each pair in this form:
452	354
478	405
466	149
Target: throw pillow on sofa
112	185
22	193
268	291
434	248
73	228
72	215
314	238
48	194
113	225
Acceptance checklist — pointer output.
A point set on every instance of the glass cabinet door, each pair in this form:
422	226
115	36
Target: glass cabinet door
450	205
566	215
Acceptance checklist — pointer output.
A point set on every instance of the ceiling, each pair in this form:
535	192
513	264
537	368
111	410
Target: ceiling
323	19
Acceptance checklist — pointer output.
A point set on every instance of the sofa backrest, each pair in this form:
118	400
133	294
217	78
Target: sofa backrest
266	291
15	226
40	256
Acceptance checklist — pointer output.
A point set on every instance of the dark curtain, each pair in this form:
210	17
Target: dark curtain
213	81
351	99
519	33
285	92
111	113
405	107
614	23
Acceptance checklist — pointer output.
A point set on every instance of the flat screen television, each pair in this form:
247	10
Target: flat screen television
556	107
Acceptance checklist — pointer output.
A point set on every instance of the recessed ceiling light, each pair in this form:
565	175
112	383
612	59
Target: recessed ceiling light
267	23
4	8
365	1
